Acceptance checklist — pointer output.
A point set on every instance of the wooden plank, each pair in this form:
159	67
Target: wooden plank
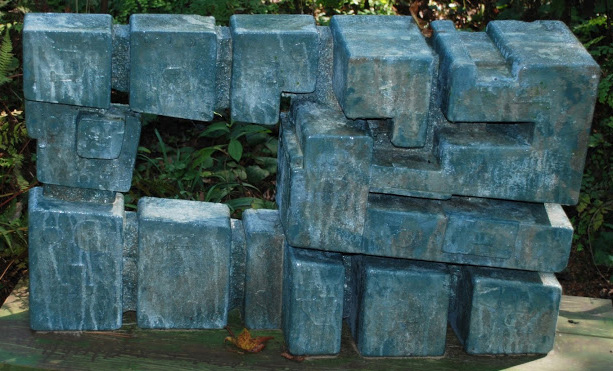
135	348
586	316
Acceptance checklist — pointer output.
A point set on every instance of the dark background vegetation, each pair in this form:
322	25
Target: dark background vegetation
236	164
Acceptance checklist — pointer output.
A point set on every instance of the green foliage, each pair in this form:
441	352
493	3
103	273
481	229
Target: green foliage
218	162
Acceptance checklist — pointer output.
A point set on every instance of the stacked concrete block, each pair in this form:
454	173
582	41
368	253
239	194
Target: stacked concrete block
383	69
169	56
401	164
270	54
497	311
75	253
264	269
414	298
313	297
183	264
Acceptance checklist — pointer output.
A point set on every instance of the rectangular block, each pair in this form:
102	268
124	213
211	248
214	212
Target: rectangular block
183	264
238	259
323	179
84	148
312	301
383	68
130	261
75	264
67	58
271	54
173	65
465	230
401	307
498	311
264	269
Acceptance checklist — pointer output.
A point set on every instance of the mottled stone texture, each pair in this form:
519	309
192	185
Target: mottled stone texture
67	58
75	260
469	231
271	54
497	311
173	65
238	259
183	264
120	77
383	68
78	194
312	301
322	183
536	87
130	261
400	307
84	148
264	269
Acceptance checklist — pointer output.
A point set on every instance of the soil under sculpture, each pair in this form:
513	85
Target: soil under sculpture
411	172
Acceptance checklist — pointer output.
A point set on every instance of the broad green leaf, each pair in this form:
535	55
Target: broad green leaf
235	149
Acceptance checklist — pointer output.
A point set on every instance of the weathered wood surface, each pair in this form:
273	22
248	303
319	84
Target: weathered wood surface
584	342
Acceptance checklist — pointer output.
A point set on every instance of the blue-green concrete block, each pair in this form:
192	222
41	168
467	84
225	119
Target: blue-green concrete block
67	58
271	54
120	77
237	265
401	307
130	261
78	194
535	86
82	147
173	65
264	269
75	264
498	311
312	301
474	231
324	163
183	264
383	68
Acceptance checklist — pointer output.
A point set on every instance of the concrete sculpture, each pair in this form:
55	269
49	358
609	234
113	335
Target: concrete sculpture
410	172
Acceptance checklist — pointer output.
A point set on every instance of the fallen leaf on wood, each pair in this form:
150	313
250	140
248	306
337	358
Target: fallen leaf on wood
245	342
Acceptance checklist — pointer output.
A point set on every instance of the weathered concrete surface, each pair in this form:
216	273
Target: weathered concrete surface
312	301
264	269
67	58
496	311
75	262
173	62
223	68
400	307
322	183
183	264
462	230
78	194
271	54
383	68
238	259
84	148
130	261
120	77
535	86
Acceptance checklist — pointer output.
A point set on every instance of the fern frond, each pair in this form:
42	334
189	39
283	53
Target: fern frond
6	57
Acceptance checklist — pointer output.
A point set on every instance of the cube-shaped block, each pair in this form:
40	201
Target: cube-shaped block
383	68
496	311
323	179
464	230
67	58
183	264
271	54
84	148
312	301
401	307
173	65
75	252
264	269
